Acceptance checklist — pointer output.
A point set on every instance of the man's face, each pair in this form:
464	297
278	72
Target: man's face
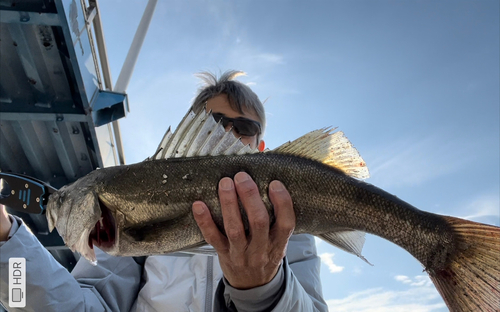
220	104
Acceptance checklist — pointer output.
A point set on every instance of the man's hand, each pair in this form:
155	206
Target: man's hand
5	224
248	261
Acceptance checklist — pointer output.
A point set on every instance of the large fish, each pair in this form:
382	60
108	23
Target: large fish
145	208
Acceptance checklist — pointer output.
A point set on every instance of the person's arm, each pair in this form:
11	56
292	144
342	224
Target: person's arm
110	286
256	275
303	291
297	287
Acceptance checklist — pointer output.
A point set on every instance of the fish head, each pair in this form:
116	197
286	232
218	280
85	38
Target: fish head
74	210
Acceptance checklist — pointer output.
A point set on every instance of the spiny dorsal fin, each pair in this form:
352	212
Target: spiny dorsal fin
329	147
199	135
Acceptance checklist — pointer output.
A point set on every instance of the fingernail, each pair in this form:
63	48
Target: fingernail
198	208
226	184
241	177
276	186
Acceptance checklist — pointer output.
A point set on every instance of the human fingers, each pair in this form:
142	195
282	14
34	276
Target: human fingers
5	224
231	215
258	216
285	218
208	228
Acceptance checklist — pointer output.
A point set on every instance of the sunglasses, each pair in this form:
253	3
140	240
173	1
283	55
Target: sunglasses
242	126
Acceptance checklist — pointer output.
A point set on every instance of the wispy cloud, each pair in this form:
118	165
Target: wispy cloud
270	58
253	58
420	295
419	280
413	161
327	258
485	205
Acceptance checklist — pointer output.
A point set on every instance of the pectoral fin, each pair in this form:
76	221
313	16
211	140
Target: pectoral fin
202	249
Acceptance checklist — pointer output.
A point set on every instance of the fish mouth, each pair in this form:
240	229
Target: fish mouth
103	234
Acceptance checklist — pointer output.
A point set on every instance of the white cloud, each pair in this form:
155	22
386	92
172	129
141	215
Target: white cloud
419	280
327	258
402	278
419	296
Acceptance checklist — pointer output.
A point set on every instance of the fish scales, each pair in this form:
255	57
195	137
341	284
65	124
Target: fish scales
324	199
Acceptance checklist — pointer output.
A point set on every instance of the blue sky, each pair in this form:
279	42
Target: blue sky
413	84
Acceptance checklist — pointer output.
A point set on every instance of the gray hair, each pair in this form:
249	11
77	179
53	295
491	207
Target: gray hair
240	96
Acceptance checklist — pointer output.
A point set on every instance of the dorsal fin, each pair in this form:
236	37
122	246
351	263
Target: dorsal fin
199	135
329	147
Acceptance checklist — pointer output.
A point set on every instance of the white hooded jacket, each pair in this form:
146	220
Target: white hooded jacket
176	282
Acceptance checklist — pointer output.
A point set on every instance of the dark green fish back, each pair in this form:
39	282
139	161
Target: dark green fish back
324	198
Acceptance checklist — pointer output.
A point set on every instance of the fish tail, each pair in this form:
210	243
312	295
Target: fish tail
471	279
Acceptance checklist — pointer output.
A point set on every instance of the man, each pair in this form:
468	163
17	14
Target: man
253	275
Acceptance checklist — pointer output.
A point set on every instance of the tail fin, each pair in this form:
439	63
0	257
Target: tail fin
471	281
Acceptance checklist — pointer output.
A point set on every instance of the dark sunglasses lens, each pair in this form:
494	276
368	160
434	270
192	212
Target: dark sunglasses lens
242	126
218	117
245	127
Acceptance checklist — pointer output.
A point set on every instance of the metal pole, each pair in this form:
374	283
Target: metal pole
128	66
106	73
101	45
135	48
